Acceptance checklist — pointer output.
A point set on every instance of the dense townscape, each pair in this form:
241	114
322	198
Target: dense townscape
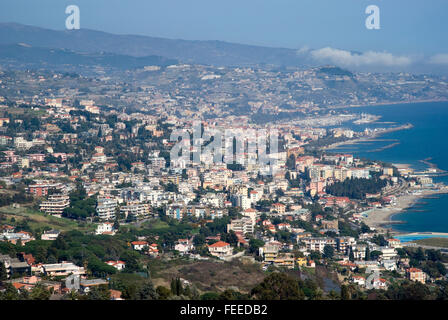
93	206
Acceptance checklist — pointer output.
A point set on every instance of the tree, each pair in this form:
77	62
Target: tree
176	287
147	292
278	286
255	244
375	254
163	293
3	272
101	292
328	252
230	238
351	256
367	258
345	293
40	293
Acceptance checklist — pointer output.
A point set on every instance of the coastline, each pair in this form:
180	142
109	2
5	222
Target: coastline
381	218
369	138
390	103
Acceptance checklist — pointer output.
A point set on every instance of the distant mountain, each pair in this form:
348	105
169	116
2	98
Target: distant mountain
200	52
27	56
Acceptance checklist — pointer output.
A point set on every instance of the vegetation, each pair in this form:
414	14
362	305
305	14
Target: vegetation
356	188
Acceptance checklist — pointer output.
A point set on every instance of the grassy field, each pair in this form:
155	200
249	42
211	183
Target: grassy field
39	220
433	242
214	275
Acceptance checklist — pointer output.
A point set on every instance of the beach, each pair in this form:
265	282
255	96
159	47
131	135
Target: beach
378	218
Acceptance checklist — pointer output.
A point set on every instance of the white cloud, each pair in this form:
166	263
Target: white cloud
369	58
303	50
441	58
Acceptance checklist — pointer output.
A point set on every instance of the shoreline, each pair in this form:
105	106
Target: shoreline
374	135
381	218
379	104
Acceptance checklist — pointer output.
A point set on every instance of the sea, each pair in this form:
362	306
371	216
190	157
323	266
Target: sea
426	140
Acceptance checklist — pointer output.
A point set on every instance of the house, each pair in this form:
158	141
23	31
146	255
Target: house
50	235
115	295
388	253
62	269
184	246
87	285
415	274
379	283
14	266
139	245
119	265
394	243
220	249
153	250
105	228
7	229
389	265
359	280
279	208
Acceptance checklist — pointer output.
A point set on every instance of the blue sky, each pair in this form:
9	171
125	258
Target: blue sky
407	27
412	36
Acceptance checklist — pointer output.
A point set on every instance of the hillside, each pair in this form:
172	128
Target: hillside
199	52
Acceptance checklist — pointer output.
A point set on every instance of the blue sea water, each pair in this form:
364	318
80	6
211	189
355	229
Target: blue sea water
427	139
413	237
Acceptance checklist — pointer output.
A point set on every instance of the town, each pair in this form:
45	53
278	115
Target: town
93	206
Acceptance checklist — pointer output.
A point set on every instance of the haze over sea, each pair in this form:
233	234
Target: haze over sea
427	139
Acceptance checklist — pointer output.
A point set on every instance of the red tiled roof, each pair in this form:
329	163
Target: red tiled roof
219	244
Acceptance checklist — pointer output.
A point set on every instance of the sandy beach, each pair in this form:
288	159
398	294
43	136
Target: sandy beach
379	217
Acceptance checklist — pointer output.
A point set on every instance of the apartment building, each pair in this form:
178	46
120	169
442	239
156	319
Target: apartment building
243	225
55	204
106	208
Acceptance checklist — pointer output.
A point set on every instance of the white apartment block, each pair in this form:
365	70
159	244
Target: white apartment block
106	208
55	204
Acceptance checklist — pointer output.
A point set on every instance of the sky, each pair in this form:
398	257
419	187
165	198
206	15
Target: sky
409	29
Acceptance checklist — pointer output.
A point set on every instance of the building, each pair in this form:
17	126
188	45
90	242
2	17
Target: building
270	251
359	280
87	285
105	228
106	208
138	210
415	274
344	243
280	208
285	260
220	249
184	246
318	244
62	269
55	204
139	245
388	253
119	265
14	266
243	225
50	235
